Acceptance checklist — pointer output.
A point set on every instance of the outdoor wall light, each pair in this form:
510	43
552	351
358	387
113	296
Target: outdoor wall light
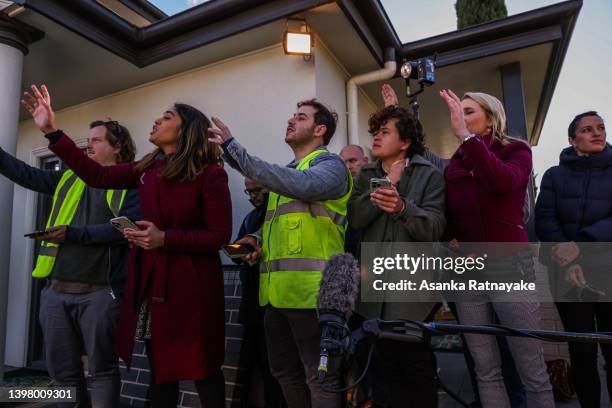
298	40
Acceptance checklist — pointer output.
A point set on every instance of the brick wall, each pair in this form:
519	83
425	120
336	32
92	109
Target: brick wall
134	384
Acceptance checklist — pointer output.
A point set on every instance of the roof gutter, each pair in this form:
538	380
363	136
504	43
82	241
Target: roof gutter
520	23
351	91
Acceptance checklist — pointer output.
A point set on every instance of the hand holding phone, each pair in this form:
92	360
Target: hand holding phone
36	234
238	250
123	223
248	243
55	234
376	183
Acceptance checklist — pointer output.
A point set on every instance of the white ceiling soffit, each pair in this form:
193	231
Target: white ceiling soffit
4	4
84	71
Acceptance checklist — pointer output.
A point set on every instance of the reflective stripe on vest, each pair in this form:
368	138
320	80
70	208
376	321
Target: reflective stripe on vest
295	264
298	239
315	209
66	199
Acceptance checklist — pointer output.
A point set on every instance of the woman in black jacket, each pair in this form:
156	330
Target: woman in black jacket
575	206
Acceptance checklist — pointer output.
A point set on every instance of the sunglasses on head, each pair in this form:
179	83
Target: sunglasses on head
114	127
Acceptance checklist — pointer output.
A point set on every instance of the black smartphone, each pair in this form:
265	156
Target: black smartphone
238	250
36	234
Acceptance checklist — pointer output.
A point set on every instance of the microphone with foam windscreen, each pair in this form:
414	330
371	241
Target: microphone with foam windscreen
337	294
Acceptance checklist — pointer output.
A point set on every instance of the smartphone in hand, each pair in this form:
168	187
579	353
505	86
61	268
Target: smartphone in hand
36	234
122	223
376	183
238	250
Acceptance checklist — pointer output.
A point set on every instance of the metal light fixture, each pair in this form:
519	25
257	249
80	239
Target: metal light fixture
298	40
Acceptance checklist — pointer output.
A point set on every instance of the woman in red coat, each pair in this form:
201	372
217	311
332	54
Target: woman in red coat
175	280
486	183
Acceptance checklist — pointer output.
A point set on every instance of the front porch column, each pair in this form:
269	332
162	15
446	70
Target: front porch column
14	39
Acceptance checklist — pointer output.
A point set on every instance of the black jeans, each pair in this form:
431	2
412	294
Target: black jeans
211	391
405	375
259	387
588	317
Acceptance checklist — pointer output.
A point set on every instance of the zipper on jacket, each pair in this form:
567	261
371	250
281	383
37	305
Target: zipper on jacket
584	195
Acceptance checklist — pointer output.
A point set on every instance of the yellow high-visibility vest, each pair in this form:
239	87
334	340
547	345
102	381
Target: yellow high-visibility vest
65	202
298	239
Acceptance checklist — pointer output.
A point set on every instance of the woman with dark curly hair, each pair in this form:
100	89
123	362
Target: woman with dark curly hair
410	209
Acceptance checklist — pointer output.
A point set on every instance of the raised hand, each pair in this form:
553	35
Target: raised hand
456	112
396	170
389	95
39	106
220	135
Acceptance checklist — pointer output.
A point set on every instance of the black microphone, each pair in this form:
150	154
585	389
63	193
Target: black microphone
337	294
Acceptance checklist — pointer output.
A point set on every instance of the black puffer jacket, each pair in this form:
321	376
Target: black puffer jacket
575	200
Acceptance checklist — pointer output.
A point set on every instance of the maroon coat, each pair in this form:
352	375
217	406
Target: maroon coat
185	279
486	185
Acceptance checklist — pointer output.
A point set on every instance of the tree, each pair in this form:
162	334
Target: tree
472	12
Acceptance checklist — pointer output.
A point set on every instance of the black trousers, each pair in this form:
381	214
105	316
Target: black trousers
588	317
404	375
211	391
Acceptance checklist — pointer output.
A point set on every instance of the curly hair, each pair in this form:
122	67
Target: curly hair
407	125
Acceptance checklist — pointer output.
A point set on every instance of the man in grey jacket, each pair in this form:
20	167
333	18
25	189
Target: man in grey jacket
292	331
79	307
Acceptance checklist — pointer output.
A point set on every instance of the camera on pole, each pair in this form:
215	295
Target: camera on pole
424	72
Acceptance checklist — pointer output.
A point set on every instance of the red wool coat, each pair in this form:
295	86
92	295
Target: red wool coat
184	278
486	185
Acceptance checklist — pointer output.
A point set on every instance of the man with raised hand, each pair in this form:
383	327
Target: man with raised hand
83	257
304	225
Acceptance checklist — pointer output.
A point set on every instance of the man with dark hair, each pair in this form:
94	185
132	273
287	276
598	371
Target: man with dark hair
304	225
322	116
83	258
